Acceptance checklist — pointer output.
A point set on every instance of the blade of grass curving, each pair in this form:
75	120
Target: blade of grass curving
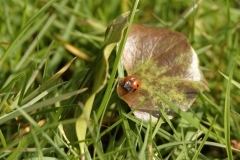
235	83
191	133
117	152
47	57
158	125
34	75
6	105
102	117
48	82
37	98
113	35
4	101
229	40
29	33
126	130
89	74
23	87
29	23
8	90
180	154
66	35
157	153
87	153
7	20
107	130
115	66
203	49
185	14
142	153
185	151
188	118
10	84
24	15
97	132
139	141
177	143
24	39
40	96
35	42
227	117
3	141
47	102
83	123
17	152
67	144
111	81
197	152
160	131
46	136
169	122
37	144
210	102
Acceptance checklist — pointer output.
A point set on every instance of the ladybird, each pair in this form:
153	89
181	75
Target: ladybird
132	83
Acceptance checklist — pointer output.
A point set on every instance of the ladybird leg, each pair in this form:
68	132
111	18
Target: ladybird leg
131	90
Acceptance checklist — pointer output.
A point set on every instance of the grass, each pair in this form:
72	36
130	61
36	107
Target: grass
43	88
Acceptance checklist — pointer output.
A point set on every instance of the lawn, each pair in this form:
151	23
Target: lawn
60	65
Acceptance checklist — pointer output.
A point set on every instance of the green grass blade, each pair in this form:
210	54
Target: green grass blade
142	154
115	66
185	151
82	123
204	140
10	84
227	117
47	102
3	141
126	130
48	82
66	35
184	16
188	118
29	23
168	121
38	146
235	83
46	136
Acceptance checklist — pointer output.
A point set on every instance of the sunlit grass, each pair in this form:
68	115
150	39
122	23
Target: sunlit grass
40	79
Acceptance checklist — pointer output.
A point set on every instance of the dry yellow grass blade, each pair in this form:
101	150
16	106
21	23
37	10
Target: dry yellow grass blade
74	50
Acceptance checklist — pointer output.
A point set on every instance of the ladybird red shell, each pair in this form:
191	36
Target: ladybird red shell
132	83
